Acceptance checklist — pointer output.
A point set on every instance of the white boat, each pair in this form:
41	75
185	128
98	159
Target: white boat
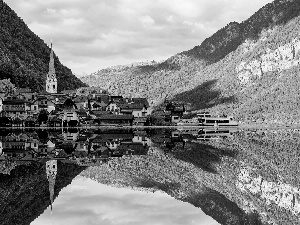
206	119
211	134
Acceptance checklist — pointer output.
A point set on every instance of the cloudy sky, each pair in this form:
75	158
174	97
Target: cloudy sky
85	201
93	34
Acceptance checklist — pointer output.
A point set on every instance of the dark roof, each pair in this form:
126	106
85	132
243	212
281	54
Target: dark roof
82	98
131	106
99	112
115	117
81	113
143	101
23	90
68	91
14	101
126	110
141	120
44	92
104	98
106	137
54	118
31	118
89	117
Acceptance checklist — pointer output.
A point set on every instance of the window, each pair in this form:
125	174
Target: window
53	86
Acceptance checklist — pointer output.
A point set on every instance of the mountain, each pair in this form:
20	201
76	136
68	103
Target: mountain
248	69
24	194
24	57
243	179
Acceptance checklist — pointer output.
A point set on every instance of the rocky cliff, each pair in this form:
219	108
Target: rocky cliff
247	69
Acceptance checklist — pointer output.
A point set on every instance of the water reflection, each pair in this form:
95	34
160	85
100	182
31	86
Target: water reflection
86	148
236	177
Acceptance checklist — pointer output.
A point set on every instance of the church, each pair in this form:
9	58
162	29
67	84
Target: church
51	81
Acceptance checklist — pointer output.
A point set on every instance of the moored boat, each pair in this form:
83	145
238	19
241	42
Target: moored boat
211	134
206	119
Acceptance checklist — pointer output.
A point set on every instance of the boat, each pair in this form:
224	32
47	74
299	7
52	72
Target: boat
188	122
206	119
213	134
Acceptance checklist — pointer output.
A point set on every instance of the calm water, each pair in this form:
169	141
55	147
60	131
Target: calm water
151	176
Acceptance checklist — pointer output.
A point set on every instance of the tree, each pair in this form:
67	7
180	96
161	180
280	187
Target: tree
7	87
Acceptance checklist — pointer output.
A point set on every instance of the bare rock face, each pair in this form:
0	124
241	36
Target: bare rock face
284	195
282	58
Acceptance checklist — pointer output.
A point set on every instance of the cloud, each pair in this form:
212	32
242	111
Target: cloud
50	11
87	202
170	19
147	21
90	35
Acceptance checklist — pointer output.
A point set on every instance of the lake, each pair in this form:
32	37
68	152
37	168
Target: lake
149	176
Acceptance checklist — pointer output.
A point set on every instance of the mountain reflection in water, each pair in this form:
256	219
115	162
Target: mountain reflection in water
235	177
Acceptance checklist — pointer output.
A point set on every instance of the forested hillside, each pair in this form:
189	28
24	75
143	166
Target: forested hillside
243	179
24	194
24	57
248	69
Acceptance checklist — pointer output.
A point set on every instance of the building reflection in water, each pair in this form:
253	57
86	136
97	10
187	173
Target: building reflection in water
233	172
85	148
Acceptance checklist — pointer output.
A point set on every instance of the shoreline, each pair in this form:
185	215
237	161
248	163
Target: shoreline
240	127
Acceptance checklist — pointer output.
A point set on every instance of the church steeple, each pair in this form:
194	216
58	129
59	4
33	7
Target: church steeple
51	72
51	171
51	82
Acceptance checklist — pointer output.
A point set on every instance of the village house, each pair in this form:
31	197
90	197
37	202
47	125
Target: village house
2	98
113	119
69	113
55	120
1	103
14	145
26	94
13	107
176	111
49	108
42	102
81	102
138	107
82	144
69	93
113	107
99	105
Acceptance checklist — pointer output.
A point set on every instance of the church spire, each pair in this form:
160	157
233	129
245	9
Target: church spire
51	81
51	73
51	171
